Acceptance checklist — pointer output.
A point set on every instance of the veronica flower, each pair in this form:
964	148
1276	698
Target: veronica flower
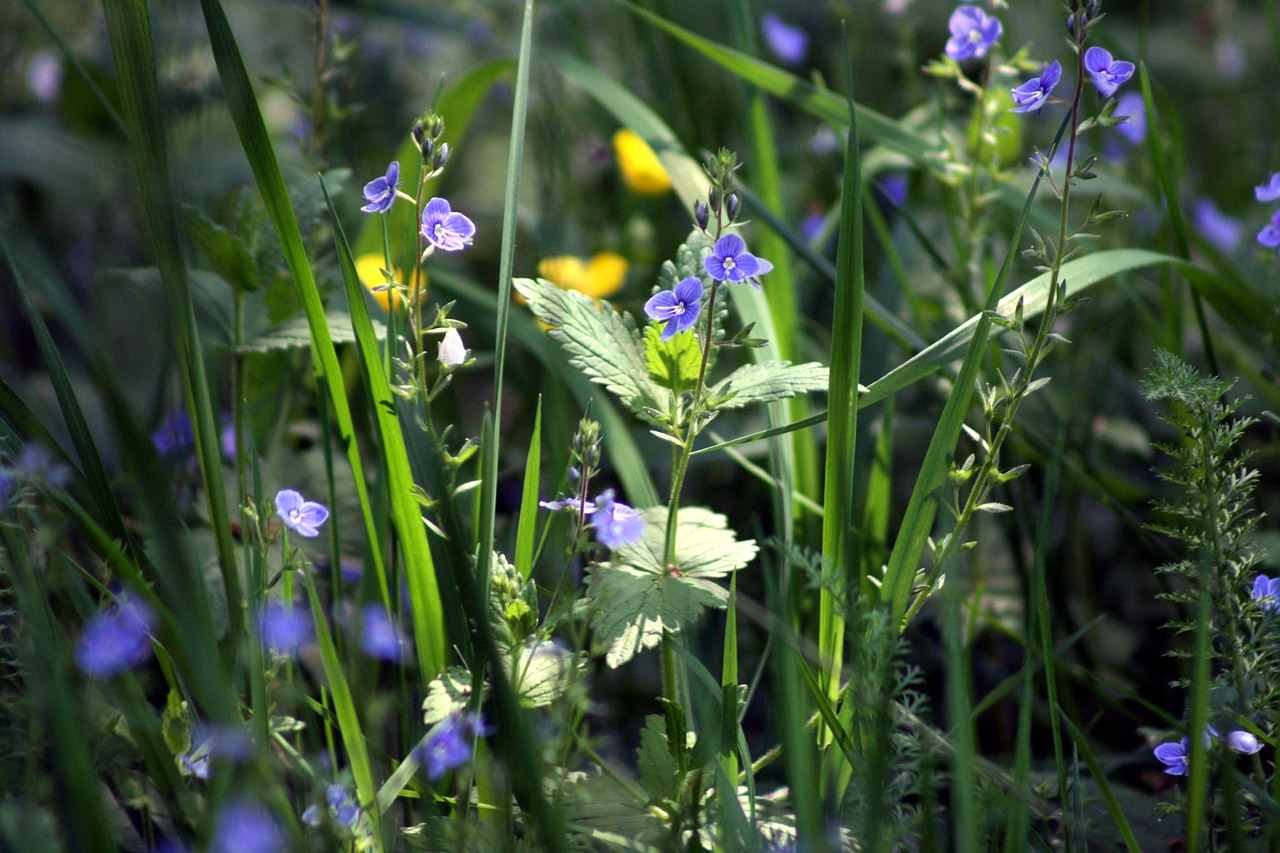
381	192
446	230
284	629
729	260
678	307
1218	228
301	516
616	524
174	433
453	351
973	32
243	827
1132	106
1269	236
1243	742
1270	191
1266	591
449	745
641	169
573	504
1176	757
342	807
1107	73
191	764
789	43
116	639
1032	94
379	636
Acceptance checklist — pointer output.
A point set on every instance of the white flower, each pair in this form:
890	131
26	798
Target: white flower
452	351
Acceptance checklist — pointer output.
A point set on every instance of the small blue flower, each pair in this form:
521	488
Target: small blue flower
284	629
191	764
243	827
174	435
1218	228
446	230
572	504
1266	591
342	805
678	307
1176	757
616	524
1135	129
116	639
379	636
789	43
1032	94
449	745
37	466
1270	191
1269	236
381	192
300	516
1243	742
973	32
1107	73
730	260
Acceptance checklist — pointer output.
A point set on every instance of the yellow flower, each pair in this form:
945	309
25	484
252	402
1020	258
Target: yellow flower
641	168
369	269
600	277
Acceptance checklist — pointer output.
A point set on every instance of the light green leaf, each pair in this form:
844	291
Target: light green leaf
658	772
774	380
705	545
602	343
688	261
296	333
672	363
635	607
544	671
447	694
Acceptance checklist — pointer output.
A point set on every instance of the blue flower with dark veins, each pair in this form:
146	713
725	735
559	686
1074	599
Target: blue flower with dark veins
1107	73
1031	95
973	32
301	516
380	193
678	307
730	261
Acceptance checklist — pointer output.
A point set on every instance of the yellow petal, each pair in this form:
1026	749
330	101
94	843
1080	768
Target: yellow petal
564	271
604	276
641	169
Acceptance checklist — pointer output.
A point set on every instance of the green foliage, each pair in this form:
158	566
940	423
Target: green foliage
672	363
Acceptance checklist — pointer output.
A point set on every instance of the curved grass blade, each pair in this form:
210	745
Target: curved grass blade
243	107
527	527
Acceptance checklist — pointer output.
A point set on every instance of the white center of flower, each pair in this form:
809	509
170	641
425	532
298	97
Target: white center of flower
975	36
678	308
729	263
439	229
295	515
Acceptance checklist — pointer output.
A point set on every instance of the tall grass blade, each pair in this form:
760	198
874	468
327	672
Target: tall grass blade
527	526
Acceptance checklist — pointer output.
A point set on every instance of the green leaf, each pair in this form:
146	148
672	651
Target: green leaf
448	693
544	672
229	253
672	363
658	772
687	263
774	380
601	342
705	545
296	333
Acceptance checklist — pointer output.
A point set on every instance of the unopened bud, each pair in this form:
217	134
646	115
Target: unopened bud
714	198
443	156
452	351
731	203
701	214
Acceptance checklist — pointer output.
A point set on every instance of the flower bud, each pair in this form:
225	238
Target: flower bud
419	134
1243	742
443	156
731	203
428	147
701	214
714	198
452	351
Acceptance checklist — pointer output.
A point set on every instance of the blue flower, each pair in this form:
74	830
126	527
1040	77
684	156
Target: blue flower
678	307
1243	742
1032	94
1270	191
174	433
973	32
573	504
446	230
1107	73
116	639
1269	236
1176	757
449	746
243	827
381	192
284	629
1266	591
616	524
1131	105
191	764
788	42
1218	228
37	466
300	516
379	636
729	259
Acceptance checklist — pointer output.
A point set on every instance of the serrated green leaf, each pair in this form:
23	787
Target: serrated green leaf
774	380
688	261
604	344
448	693
705	545
672	363
658	773
635	607
543	672
296	333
